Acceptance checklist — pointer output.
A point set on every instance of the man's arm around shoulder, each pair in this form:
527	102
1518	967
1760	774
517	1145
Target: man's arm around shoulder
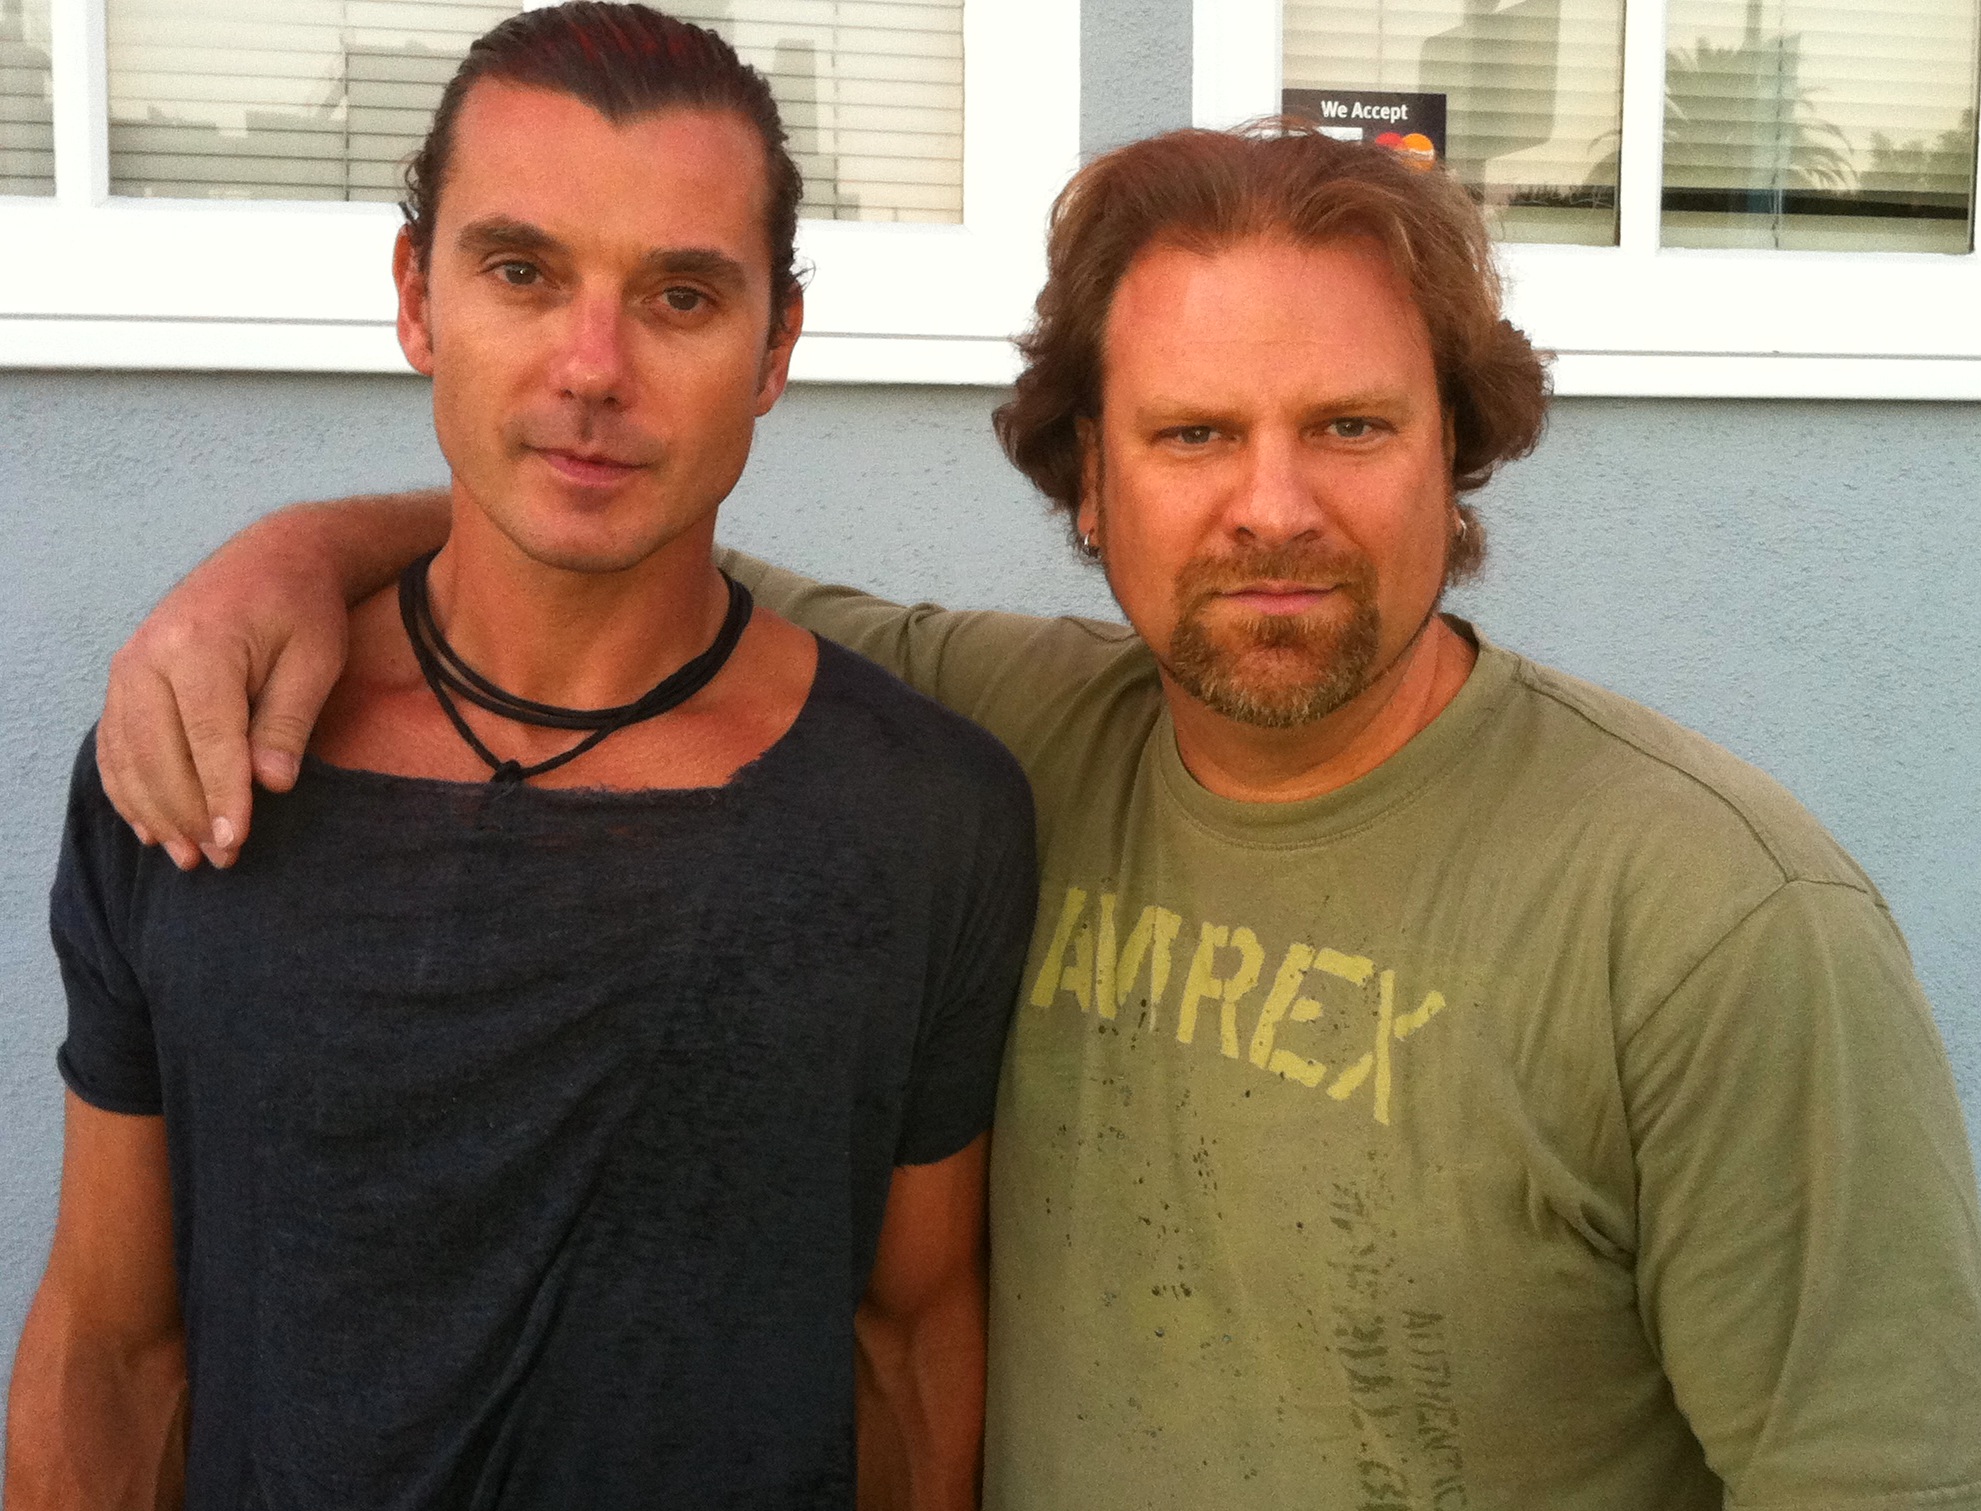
921	1340
97	1412
257	628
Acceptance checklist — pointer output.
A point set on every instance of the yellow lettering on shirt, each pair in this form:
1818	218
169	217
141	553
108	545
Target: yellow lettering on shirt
1417	1017
1052	972
1285	1003
1377	1060
1089	957
1116	971
1203	982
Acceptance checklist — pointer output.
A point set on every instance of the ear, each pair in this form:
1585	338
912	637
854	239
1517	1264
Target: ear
776	369
1088	517
415	324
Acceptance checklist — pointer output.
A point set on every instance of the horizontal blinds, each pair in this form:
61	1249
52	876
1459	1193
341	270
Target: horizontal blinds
1846	108
1533	89
27	136
278	99
872	96
323	99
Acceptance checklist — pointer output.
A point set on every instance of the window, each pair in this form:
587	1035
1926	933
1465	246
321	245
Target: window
1742	197
224	173
872	96
1820	125
278	99
27	132
1531	94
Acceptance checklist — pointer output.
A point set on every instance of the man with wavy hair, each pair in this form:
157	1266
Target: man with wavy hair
1437	1082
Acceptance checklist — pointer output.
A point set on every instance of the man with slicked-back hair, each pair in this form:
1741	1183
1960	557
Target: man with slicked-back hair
1438	1083
578	1101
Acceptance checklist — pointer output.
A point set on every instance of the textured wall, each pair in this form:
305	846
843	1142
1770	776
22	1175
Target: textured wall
1135	59
1797	580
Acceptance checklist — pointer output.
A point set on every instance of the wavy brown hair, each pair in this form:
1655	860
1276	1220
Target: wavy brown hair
1204	190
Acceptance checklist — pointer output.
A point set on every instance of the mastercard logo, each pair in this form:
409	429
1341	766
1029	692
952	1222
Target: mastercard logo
1420	149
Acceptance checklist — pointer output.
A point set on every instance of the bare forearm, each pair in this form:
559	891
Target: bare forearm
94	1424
362	543
921	1405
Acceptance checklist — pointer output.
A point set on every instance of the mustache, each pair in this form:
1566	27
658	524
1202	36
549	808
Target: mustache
594	435
1308	564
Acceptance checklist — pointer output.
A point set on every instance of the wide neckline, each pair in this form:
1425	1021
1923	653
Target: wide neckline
749	773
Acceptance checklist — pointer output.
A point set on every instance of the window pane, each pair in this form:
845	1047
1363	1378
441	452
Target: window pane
1533	91
1823	125
323	99
27	133
278	99
872	95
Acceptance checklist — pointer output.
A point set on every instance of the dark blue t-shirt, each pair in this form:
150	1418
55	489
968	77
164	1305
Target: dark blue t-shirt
529	1147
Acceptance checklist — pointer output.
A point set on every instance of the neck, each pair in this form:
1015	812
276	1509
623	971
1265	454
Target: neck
1255	765
578	639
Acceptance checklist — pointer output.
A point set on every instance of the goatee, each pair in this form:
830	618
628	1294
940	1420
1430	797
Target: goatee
1276	671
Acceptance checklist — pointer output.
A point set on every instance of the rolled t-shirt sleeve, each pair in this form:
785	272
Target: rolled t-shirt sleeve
952	1088
110	1056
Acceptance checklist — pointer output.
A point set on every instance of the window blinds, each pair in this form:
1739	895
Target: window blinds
872	96
278	99
1820	124
27	139
1533	91
323	99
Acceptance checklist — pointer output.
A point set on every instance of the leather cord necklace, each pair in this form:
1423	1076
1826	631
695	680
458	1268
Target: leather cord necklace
451	677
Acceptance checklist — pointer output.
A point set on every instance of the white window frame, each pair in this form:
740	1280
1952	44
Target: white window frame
102	282
1638	319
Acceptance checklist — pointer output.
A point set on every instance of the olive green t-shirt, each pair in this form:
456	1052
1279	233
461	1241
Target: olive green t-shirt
1549	1120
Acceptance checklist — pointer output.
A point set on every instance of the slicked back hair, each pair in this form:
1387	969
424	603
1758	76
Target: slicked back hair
625	61
1207	190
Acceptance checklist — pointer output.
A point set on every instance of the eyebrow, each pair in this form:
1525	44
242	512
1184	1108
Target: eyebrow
1166	408
498	233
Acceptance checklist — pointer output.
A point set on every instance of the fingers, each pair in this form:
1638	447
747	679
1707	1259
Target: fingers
147	769
287	706
210	699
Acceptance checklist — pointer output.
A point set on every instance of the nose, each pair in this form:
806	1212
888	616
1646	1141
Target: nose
1274	502
591	363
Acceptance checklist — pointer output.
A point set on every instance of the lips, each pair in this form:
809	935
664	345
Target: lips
590	471
1276	597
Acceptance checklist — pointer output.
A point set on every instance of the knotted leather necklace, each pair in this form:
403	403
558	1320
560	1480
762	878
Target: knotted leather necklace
450	677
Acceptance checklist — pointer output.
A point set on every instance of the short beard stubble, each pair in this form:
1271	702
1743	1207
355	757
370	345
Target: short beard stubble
1275	671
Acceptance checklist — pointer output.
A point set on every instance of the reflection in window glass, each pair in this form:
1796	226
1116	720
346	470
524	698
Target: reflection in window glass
872	95
1825	125
1532	92
278	99
1822	125
324	99
27	129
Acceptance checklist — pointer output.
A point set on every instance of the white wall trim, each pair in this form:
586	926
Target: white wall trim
265	285
1638	318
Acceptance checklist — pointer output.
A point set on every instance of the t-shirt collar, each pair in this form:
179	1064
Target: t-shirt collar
1429	752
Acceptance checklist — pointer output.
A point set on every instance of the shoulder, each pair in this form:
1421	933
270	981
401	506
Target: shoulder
900	736
1651	774
92	820
102	864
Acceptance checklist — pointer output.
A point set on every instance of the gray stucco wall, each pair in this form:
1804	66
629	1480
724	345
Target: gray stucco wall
1797	580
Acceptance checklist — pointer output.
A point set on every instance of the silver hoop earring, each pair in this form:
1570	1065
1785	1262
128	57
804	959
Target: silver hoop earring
1087	544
